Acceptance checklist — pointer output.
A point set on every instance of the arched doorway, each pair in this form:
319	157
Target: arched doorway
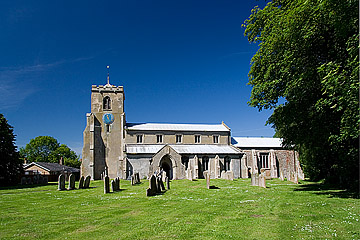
166	165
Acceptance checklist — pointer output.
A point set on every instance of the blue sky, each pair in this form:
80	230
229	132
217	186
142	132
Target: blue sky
180	61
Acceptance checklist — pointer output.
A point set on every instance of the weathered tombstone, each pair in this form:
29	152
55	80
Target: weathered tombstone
41	179
132	179
207	177
281	175
223	174
87	182
118	183
71	182
256	179
61	182
106	185
35	179
167	183
151	191
46	180
253	179
158	184
23	180
230	175
137	177
113	185
262	180
81	182
29	180
189	174
163	176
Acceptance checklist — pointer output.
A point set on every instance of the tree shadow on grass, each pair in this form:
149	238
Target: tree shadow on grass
213	187
327	189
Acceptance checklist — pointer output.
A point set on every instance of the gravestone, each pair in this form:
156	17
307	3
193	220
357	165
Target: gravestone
29	180
87	182
167	183
253	179
262	182
71	182
45	180
256	179
106	185
23	180
230	175
118	183
81	182
189	174
163	176
151	191
223	174
132	180
61	182
113	185
207	177
281	175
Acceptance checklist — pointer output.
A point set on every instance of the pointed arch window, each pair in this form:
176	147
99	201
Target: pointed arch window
107	103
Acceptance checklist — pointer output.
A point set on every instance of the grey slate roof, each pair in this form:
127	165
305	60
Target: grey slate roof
256	142
182	148
177	127
53	167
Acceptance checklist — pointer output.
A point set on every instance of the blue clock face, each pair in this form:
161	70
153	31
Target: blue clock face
108	118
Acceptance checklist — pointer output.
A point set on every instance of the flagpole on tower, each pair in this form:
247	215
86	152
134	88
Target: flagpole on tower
108	75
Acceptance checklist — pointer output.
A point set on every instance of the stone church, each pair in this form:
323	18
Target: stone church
117	148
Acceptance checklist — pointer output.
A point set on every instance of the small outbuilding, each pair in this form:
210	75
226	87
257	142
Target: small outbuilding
51	170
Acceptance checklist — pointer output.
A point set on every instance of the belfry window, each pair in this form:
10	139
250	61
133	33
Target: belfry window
197	138
139	138
216	139
159	138
178	138
107	103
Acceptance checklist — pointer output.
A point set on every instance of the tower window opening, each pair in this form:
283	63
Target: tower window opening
107	103
139	138
227	161
159	138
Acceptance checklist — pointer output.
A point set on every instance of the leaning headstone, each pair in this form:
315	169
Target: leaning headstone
87	182
262	180
167	183
81	182
151	191
23	180
106	184
158	185
71	182
61	182
113	185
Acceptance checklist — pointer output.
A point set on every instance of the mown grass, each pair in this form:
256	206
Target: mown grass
188	210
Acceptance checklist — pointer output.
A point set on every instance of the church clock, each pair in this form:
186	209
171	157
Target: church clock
108	118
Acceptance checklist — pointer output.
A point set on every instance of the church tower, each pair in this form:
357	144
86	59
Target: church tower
103	150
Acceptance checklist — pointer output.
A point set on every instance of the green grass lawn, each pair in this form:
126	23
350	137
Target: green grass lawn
235	210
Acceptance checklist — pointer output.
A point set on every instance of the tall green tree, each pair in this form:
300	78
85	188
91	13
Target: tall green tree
307	71
10	163
48	149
